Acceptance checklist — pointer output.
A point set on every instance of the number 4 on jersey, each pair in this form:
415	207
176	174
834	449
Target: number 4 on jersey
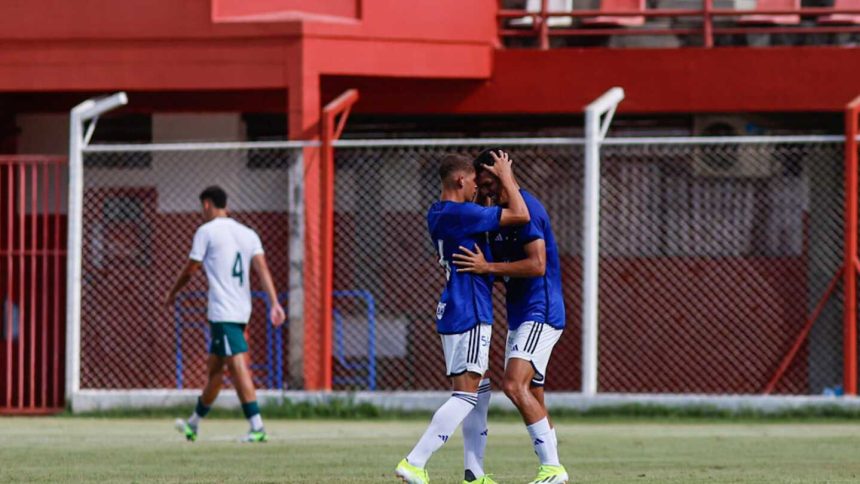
237	269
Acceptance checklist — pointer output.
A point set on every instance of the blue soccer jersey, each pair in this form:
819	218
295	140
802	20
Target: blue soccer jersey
467	298
531	298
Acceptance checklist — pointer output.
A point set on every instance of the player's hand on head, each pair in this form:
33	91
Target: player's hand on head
277	315
472	262
502	165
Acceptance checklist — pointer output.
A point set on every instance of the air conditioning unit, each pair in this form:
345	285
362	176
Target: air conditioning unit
731	160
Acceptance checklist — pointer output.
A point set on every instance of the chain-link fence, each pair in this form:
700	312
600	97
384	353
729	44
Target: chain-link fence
712	256
141	209
384	252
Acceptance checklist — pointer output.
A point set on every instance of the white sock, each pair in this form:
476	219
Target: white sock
256	423
194	420
554	438
475	432
445	421
544	442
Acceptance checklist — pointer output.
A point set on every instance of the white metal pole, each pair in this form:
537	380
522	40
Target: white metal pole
73	252
81	113
296	255
594	134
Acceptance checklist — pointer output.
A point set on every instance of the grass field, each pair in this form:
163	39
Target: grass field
77	449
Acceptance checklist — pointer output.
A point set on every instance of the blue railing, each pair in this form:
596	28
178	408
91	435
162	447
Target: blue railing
189	318
370	366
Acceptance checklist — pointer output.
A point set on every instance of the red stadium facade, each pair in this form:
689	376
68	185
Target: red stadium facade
405	58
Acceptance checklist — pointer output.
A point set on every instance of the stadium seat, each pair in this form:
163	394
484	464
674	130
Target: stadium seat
632	6
770	19
533	6
842	18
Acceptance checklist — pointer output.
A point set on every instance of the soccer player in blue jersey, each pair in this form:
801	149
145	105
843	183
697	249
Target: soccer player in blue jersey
528	262
464	312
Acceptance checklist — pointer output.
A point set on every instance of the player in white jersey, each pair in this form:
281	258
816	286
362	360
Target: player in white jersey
226	249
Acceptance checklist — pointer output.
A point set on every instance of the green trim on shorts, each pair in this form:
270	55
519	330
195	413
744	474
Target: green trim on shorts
228	339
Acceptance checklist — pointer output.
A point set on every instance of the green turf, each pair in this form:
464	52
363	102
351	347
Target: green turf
149	450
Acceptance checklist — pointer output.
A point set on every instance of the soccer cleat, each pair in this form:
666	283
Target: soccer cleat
410	474
255	436
550	475
188	431
485	479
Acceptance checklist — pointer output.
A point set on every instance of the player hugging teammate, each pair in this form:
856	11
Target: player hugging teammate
522	237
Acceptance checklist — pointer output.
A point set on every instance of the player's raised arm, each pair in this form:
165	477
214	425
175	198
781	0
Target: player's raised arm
191	268
276	313
516	213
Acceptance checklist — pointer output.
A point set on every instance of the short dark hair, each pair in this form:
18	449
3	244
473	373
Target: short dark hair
216	195
484	159
453	163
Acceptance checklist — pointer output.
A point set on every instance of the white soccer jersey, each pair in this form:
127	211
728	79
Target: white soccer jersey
225	247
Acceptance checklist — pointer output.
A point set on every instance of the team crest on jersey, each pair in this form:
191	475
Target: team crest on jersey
440	310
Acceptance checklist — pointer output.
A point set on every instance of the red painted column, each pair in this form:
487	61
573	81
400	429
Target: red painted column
304	124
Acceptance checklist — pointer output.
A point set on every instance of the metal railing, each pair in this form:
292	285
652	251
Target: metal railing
193	318
714	22
32	274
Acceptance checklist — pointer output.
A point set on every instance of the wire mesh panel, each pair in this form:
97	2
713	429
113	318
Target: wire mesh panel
387	277
141	209
712	257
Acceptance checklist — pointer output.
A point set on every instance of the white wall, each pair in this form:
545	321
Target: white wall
181	175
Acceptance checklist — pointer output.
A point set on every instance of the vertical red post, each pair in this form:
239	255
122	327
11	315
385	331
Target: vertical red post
44	256
8	297
304	124
31	331
849	286
331	131
58	341
543	25
22	312
707	24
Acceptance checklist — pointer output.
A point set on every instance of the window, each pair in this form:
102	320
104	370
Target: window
267	127
127	128
121	234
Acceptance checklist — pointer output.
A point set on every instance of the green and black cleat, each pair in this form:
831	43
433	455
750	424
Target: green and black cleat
188	431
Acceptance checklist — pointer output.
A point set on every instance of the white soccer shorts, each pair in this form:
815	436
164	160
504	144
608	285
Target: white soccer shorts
469	351
532	342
